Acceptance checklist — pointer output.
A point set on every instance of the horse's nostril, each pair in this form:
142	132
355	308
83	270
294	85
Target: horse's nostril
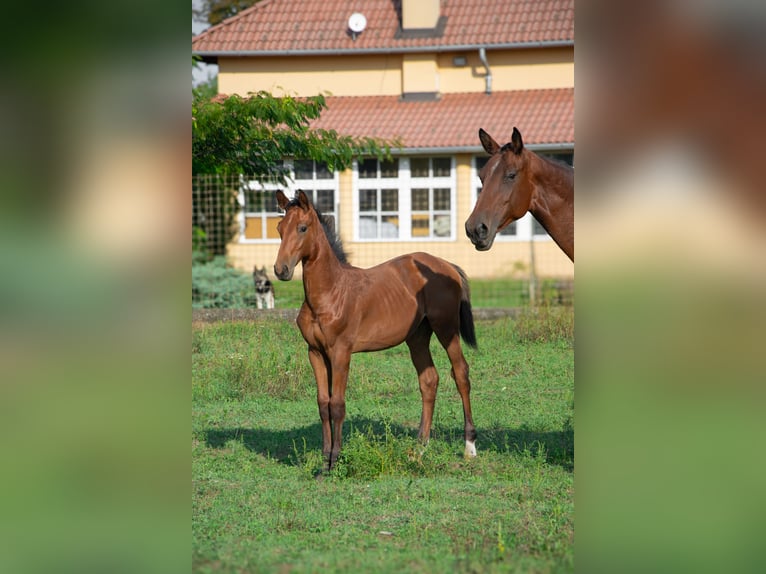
481	231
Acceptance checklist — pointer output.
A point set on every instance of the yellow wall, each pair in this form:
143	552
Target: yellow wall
391	74
511	70
374	75
420	73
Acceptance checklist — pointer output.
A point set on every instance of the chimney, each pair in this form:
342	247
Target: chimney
420	14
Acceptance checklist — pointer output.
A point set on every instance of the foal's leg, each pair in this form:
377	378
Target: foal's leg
428	377
460	374
321	367
340	364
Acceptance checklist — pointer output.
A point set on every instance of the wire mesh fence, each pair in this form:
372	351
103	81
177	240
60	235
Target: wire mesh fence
235	243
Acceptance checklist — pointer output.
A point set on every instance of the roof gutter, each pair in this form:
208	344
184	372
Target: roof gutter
553	147
414	49
488	77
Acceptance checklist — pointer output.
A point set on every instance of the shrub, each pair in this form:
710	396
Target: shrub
215	284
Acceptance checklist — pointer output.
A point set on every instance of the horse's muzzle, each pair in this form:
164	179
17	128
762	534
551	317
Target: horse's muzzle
479	236
283	273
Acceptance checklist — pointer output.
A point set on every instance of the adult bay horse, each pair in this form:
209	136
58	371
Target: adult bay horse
349	310
516	180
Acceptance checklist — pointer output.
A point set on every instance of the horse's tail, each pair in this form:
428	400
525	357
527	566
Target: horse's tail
467	330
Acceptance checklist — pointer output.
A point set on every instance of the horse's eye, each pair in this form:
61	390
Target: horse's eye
302	228
510	176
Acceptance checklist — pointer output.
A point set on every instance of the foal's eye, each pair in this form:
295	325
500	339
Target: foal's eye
302	228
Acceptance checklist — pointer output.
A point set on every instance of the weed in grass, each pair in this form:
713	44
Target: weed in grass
544	324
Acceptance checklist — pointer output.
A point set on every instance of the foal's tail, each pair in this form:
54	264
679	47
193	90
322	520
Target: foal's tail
467	330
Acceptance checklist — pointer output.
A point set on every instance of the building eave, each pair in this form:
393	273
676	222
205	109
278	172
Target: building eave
215	54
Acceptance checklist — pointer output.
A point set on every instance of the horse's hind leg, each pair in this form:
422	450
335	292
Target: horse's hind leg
460	373
428	378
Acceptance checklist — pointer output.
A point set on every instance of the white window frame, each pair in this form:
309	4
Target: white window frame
404	183
290	189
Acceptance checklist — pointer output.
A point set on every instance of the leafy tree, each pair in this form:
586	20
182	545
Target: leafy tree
216	11
251	135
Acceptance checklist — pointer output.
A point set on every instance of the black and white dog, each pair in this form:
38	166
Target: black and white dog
264	290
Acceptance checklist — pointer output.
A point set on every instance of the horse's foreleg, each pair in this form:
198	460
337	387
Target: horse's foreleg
340	366
321	374
428	378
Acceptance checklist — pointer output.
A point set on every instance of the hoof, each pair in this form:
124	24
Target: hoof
470	449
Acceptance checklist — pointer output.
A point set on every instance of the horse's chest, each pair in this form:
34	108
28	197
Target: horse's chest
313	332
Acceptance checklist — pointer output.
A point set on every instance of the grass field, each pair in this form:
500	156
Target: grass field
387	506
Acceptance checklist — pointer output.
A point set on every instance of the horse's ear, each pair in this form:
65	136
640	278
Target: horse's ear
516	144
490	145
303	200
282	200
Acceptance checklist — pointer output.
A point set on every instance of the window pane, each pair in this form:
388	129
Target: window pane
538	229
442	225
304	169
389	168
389	200
389	226
323	172
324	200
368	200
441	198
368	227
510	230
442	166
270	201
420	200
420	226
368	168
419	167
253	228
480	162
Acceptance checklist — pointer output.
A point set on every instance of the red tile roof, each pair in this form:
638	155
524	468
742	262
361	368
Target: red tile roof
287	26
453	121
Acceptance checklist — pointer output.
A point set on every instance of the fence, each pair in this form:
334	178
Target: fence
234	231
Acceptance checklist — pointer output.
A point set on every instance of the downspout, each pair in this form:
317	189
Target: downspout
488	77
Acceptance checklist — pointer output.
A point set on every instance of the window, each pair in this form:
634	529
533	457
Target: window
260	213
431	204
405	199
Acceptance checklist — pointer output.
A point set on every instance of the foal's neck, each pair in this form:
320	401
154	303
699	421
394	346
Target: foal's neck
321	270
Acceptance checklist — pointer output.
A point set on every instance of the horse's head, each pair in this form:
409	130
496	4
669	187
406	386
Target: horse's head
297	230
506	191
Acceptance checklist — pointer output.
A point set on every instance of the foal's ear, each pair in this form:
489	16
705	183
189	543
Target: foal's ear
303	200
282	200
490	145
516	144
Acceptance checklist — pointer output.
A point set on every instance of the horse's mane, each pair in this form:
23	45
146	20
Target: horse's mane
335	242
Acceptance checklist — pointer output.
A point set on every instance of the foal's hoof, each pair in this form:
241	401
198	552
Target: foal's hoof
470	449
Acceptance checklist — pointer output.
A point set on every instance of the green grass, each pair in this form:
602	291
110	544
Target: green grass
388	505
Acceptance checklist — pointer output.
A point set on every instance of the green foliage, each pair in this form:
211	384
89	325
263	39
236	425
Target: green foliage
216	11
252	135
215	284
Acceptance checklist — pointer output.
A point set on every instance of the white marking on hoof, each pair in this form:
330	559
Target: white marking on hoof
470	449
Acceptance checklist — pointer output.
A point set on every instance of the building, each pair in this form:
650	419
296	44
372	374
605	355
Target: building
428	72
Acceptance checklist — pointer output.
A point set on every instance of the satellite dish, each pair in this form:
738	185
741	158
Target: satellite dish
357	23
